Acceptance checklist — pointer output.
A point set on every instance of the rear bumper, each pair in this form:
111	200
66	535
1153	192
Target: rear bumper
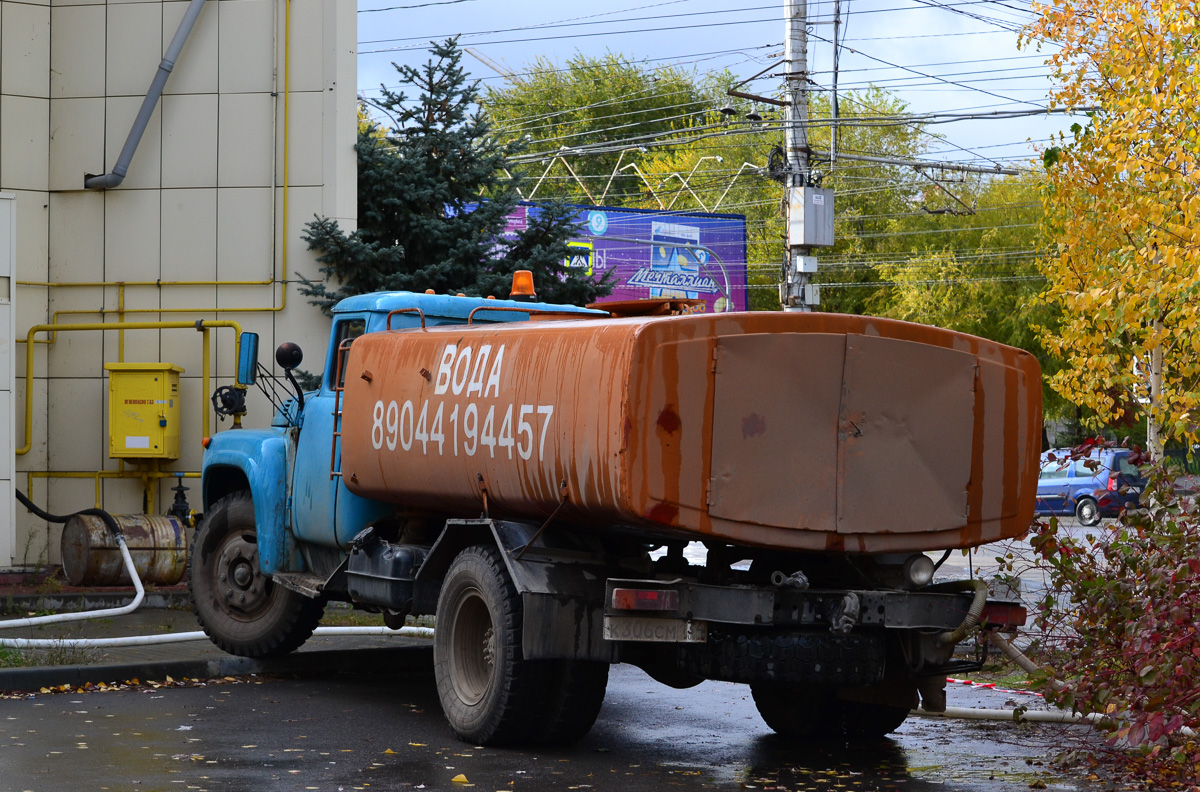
808	609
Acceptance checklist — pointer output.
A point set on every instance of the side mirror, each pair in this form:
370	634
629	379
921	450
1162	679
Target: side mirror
247	369
288	355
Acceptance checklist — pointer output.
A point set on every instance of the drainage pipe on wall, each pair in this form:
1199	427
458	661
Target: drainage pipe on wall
117	175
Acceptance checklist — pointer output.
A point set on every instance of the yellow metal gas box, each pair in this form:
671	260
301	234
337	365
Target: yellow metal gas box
143	410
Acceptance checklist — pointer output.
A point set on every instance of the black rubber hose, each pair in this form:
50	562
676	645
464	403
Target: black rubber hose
108	519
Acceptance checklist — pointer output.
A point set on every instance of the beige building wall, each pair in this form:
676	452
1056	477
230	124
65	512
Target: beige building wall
253	136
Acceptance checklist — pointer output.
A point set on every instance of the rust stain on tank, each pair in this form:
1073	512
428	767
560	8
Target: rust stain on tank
668	420
974	494
663	513
835	543
670	451
753	425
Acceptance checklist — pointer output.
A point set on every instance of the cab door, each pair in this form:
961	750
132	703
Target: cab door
324	512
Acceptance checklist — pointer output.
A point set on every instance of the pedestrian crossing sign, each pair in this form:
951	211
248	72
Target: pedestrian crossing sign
579	256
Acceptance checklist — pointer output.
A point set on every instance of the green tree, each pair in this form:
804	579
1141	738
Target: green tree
593	101
986	281
433	198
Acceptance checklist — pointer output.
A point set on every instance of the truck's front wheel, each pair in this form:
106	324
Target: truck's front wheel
239	607
489	692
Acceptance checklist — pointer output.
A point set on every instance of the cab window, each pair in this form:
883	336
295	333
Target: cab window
347	330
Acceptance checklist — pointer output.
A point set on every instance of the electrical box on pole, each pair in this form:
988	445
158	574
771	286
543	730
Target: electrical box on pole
810	217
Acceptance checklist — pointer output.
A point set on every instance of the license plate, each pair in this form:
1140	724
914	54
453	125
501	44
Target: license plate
645	628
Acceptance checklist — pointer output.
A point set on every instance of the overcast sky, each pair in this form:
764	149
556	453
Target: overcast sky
937	55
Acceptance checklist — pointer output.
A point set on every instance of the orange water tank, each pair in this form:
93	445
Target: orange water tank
801	431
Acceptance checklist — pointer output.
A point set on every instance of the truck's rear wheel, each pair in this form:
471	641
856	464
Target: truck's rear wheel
576	693
240	608
863	721
817	713
794	712
488	690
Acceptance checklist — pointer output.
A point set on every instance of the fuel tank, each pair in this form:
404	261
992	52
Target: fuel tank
801	431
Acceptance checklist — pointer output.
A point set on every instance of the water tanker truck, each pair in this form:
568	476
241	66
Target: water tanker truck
531	475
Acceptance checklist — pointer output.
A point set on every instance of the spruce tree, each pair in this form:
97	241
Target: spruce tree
433	198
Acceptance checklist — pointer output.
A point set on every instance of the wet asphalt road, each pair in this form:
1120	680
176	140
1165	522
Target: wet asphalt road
340	732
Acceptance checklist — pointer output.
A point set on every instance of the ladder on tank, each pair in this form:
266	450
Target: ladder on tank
339	386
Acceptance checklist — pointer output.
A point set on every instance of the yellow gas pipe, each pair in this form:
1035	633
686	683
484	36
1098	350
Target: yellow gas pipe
203	325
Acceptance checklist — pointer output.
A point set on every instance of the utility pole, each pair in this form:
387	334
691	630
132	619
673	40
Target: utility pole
809	209
833	129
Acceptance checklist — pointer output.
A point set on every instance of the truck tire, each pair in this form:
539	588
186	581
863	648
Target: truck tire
241	609
816	713
794	712
576	693
862	721
490	693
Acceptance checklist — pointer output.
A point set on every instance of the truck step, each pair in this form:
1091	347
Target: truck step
305	583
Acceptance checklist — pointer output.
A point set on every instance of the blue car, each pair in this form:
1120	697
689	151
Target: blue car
1096	486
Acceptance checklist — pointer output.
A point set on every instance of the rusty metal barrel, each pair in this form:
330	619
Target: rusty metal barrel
157	544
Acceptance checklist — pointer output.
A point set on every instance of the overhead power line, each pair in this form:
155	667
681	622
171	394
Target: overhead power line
552	25
583	35
415	5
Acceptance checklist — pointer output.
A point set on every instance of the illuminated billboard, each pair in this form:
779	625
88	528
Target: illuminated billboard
659	253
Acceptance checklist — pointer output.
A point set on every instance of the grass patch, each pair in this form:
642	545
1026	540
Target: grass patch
65	654
344	617
62	654
338	614
11	658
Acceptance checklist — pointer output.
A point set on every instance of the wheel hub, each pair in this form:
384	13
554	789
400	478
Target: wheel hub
472	648
489	647
242	589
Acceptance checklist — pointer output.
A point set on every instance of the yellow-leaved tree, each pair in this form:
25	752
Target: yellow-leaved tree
1122	208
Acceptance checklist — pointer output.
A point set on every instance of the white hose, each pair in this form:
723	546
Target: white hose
160	638
194	635
58	618
1018	657
1011	716
1031	716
